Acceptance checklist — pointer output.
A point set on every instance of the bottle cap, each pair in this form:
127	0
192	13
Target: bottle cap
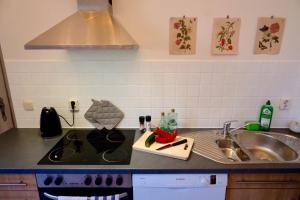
163	114
142	119
268	102
148	118
172	110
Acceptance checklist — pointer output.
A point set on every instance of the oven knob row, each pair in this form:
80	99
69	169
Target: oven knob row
108	181
57	181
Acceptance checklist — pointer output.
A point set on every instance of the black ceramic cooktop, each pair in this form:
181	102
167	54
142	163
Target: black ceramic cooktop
91	147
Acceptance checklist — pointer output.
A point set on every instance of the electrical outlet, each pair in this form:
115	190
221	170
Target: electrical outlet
28	105
284	103
76	104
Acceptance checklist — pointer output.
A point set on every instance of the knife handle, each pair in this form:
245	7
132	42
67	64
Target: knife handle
179	142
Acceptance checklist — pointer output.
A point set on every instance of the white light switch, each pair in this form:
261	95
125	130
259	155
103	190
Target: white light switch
28	105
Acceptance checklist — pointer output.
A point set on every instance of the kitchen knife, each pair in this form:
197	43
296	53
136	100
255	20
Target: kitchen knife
172	144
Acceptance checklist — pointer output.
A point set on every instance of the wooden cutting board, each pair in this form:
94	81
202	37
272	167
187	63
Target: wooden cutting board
174	152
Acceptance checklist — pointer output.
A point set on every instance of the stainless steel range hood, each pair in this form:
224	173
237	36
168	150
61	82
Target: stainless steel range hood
92	26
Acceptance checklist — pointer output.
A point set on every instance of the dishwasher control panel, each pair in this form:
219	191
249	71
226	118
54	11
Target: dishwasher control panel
179	180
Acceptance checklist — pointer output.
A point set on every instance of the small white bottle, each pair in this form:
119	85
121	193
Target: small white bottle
148	123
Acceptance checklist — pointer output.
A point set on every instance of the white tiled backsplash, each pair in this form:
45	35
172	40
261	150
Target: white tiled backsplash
204	93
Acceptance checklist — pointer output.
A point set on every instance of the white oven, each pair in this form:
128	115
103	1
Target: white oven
179	186
51	186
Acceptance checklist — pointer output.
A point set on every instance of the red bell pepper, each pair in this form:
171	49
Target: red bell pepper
161	133
166	138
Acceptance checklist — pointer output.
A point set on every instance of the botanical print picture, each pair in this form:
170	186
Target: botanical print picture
269	35
225	39
183	35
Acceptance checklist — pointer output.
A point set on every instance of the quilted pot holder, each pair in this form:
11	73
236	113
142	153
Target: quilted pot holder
104	114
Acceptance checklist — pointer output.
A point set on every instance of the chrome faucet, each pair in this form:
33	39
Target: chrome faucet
226	128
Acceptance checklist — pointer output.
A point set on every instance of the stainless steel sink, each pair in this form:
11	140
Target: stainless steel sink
265	147
245	147
232	150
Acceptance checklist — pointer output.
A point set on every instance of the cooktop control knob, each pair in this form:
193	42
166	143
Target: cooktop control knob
98	180
109	180
58	180
119	180
48	180
88	180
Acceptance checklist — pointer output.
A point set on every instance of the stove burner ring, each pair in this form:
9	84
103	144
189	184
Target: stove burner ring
65	153
105	155
113	141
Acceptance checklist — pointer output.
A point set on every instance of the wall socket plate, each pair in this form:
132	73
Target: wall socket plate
284	103
28	105
76	104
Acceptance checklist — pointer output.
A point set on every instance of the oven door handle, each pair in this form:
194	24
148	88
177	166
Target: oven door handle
122	195
50	196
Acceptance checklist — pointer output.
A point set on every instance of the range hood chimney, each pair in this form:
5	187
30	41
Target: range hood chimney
92	26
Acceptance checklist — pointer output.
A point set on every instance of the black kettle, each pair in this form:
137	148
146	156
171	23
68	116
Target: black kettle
50	123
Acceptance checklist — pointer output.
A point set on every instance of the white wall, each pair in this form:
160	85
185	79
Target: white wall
205	89
148	22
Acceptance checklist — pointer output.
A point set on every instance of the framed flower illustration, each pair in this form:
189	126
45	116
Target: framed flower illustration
225	38
183	35
269	35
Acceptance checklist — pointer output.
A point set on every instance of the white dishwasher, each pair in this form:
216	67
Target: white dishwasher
179	186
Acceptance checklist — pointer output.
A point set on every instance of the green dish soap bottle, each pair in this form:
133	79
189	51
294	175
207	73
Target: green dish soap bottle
265	117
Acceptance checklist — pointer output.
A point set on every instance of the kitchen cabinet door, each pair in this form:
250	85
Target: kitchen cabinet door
273	186
18	187
16	182
6	121
19	195
263	194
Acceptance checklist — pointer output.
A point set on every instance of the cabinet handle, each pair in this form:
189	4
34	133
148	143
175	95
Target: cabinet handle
269	182
20	184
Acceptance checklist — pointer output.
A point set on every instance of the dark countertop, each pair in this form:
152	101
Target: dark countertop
21	149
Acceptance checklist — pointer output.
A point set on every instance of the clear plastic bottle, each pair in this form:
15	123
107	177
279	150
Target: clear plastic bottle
163	124
172	120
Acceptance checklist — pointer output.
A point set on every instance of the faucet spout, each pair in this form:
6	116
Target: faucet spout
226	128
